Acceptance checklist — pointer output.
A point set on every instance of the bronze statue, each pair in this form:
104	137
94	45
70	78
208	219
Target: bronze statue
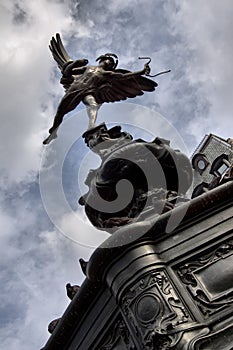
139	162
94	85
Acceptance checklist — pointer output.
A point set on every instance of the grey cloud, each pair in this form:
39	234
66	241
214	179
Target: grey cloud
20	16
210	65
193	39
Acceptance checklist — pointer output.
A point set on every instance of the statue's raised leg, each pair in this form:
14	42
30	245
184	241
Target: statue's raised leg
53	130
68	103
92	109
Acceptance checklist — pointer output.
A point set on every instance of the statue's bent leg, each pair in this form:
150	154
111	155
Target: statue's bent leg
67	104
92	109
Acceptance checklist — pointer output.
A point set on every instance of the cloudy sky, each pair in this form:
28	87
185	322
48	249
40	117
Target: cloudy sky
43	232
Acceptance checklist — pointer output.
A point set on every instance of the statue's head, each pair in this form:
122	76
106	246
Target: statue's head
108	60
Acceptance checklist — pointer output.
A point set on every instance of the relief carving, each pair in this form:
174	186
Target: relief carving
154	312
118	335
209	279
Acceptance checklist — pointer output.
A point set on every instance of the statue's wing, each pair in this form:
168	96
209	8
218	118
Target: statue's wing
62	58
121	89
59	52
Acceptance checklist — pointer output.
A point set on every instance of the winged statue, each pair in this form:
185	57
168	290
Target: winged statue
94	85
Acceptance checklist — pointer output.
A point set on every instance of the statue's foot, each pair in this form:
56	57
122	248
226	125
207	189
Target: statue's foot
52	130
50	138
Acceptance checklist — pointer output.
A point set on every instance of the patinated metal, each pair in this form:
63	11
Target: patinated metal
164	291
94	85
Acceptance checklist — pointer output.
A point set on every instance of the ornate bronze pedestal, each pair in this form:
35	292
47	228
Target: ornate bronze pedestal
162	280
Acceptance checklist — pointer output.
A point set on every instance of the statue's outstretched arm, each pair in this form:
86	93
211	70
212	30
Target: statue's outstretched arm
145	70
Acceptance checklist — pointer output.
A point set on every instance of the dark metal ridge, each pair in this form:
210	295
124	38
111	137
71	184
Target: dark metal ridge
83	300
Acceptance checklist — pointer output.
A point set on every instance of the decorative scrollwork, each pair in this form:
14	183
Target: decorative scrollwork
164	342
156	278
152	309
210	295
119	331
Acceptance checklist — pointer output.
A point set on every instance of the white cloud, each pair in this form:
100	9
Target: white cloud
205	29
27	91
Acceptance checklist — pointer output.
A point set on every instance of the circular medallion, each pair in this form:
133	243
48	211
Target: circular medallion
147	308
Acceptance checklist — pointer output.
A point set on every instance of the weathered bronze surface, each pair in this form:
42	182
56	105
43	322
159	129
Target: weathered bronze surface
94	85
146	287
164	291
159	176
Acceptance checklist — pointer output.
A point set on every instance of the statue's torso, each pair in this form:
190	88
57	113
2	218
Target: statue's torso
92	78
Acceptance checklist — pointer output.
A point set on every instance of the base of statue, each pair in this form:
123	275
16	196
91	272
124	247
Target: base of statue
135	179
